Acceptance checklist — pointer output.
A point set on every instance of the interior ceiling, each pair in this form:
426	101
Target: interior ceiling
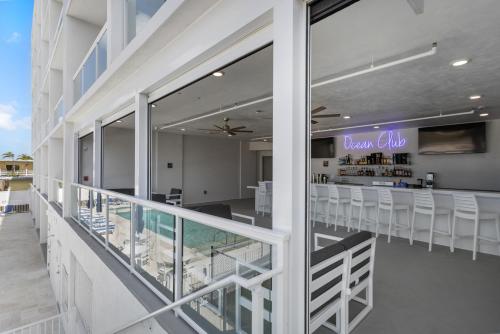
369	32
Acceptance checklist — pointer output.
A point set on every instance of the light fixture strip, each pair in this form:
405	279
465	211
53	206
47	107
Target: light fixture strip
219	112
431	52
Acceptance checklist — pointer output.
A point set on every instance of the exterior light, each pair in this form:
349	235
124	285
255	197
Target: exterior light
376	127
153	105
459	62
183	129
475	97
218	74
119	121
347	117
484	114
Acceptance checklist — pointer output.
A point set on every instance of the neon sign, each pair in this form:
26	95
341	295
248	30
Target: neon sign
386	140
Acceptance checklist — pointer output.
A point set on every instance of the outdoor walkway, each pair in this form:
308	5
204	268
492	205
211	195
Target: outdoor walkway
25	291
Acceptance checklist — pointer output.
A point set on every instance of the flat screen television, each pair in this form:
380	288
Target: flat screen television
452	139
323	148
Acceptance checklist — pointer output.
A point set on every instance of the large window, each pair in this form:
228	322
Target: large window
403	96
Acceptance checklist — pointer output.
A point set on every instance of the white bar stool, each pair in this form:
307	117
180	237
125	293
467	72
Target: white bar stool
358	200
424	204
319	195
334	199
386	202
467	209
265	195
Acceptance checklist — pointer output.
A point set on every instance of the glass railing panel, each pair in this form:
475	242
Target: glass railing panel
89	71
99	225
154	248
75	204
120	226
84	207
59	192
209	255
102	54
77	85
59	112
138	13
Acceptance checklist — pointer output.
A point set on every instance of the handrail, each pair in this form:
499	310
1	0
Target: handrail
254	232
233	279
34	324
91	48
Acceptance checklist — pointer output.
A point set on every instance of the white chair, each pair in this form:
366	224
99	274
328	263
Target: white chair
334	200
358	201
386	203
319	195
424	204
467	209
264	197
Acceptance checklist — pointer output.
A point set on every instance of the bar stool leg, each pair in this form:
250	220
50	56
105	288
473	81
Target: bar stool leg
360	217
336	214
350	218
378	222
497	224
452	242
391	214
315	207
412	228
476	231
449	227
431	232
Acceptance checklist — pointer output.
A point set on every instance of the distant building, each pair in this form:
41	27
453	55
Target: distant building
16	168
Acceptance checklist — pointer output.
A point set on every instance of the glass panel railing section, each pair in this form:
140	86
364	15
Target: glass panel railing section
209	255
59	111
58	187
154	248
75	202
99	225
120	226
84	204
92	67
137	15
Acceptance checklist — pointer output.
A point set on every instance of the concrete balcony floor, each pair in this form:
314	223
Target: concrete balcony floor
26	294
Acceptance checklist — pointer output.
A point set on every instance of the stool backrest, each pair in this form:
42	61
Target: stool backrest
385	196
465	202
314	190
423	199
262	187
333	191
357	194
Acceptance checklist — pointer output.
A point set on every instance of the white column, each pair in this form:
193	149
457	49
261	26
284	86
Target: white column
289	160
69	163
97	154
116	29
44	169
141	146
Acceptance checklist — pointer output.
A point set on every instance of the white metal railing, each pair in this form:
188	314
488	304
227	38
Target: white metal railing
137	14
23	172
52	325
93	65
167	248
58	111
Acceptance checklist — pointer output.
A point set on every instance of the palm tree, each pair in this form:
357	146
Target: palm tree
8	155
24	157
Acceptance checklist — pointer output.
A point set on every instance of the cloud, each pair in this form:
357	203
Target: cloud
9	121
15	37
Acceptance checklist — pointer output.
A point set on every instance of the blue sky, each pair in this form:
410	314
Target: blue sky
15	75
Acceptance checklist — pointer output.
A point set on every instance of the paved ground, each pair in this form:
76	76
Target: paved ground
25	291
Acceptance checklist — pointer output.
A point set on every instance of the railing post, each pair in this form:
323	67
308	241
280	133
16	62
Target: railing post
178	258
133	224
107	222
237	296
78	204
257	310
91	207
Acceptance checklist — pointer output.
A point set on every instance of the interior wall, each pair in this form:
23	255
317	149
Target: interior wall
223	168
86	159
118	160
463	171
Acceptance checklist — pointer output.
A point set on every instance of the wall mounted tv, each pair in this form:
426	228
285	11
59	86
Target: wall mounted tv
323	148
452	139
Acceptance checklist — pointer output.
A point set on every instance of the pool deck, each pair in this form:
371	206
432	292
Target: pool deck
26	294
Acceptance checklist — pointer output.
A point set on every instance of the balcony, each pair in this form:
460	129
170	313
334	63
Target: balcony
183	255
137	14
93	65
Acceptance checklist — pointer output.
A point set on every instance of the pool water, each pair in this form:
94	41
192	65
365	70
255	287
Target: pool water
196	235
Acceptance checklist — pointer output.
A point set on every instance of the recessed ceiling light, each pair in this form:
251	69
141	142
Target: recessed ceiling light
484	114
459	62
153	105
183	129
119	121
229	135
376	127
347	117
218	74
475	97
264	139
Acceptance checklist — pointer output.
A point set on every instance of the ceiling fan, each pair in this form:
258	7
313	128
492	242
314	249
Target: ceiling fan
320	109
227	129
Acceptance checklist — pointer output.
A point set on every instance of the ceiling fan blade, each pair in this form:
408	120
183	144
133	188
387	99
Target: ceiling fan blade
314	122
247	131
238	128
326	116
231	133
208	130
317	110
220	128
